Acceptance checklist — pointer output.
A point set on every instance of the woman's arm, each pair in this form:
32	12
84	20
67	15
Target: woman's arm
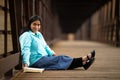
47	48
50	51
25	43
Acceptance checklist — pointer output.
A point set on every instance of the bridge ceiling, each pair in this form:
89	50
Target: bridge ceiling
72	13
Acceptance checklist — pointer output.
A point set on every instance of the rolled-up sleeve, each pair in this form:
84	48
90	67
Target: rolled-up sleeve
25	44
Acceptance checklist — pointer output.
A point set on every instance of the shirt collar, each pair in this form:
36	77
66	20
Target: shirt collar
33	33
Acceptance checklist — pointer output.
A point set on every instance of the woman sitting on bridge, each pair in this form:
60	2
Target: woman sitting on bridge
37	54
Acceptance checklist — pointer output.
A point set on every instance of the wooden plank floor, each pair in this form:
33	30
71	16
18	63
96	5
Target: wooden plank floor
105	67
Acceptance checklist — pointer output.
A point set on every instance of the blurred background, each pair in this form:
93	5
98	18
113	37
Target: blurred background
91	20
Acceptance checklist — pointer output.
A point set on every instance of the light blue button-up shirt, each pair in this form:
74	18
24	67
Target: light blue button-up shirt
33	47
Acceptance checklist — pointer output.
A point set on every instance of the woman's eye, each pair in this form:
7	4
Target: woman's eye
36	24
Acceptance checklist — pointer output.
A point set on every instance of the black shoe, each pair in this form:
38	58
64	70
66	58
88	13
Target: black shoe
88	63
92	55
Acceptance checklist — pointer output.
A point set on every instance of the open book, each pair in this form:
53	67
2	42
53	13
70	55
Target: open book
28	69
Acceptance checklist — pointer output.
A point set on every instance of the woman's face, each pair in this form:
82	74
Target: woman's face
35	26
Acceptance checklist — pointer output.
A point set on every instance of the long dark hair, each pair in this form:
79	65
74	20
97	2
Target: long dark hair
27	27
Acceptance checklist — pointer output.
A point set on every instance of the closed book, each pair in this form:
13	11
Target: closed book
28	69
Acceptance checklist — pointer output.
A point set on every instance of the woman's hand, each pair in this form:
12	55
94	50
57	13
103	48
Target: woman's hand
25	65
54	54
